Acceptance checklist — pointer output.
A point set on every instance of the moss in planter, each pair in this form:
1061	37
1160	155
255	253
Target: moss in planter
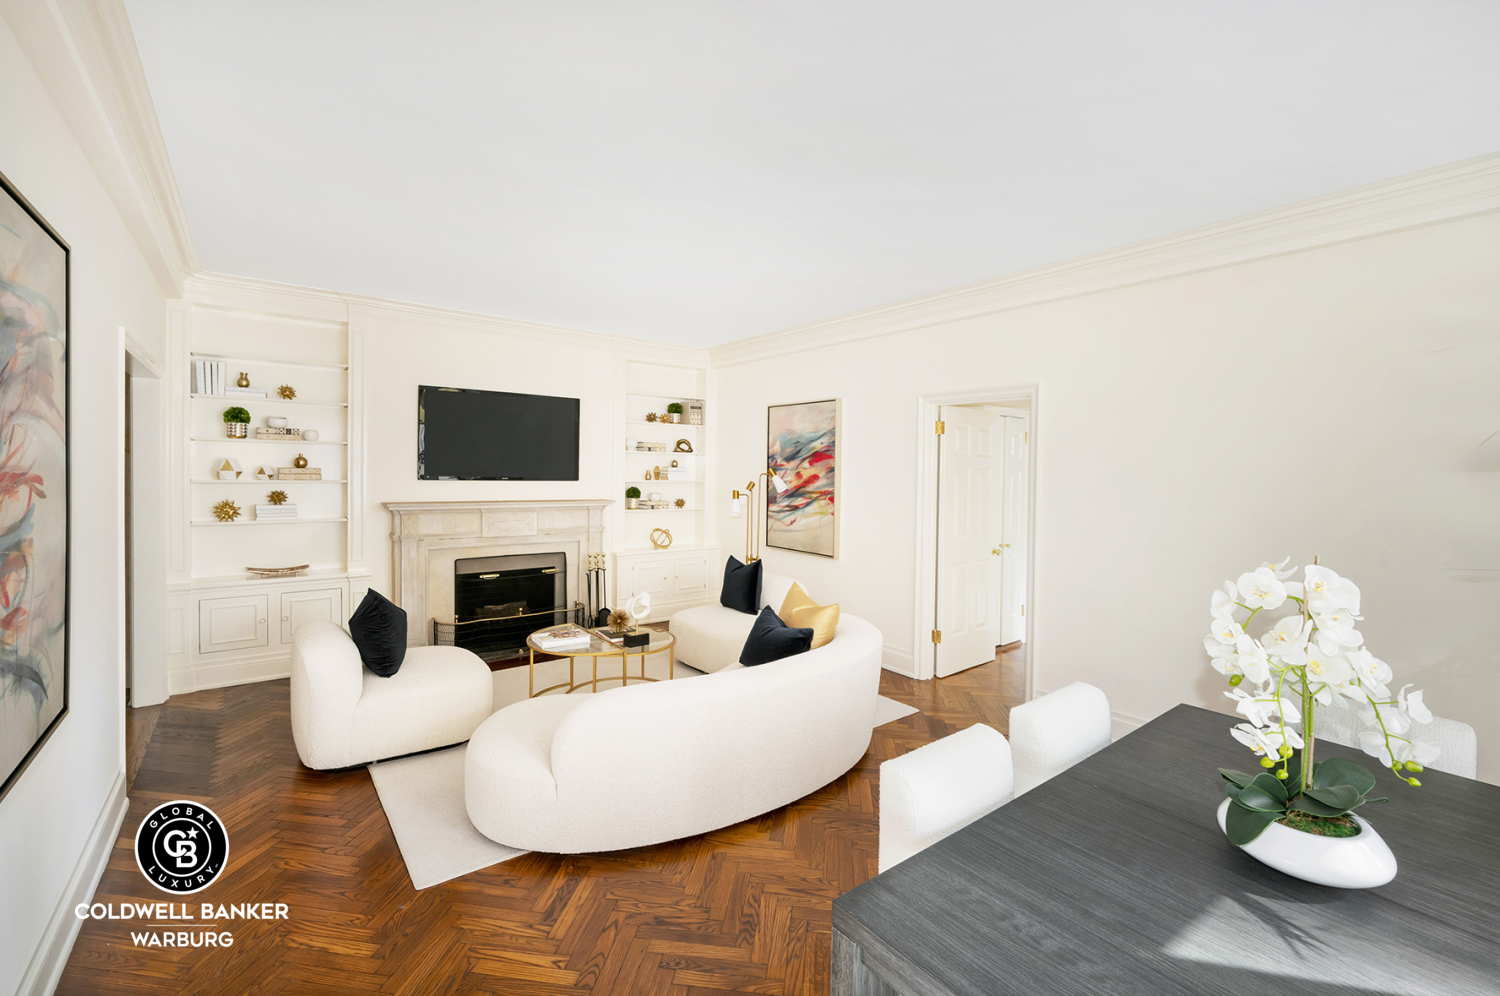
1321	826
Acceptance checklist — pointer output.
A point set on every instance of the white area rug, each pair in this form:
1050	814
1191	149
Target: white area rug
423	796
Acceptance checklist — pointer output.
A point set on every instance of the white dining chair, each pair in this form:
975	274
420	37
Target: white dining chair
939	788
1049	735
1457	741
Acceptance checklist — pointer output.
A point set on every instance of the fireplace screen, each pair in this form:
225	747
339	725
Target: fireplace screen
497	601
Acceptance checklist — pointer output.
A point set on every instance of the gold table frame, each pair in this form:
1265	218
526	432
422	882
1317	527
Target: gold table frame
600	647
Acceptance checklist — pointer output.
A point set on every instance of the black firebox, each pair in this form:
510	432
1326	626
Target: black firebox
497	601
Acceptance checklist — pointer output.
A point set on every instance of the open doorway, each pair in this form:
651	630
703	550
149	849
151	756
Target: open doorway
975	548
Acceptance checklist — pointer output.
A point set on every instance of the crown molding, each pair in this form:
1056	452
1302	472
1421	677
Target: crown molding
247	294
1445	193
85	54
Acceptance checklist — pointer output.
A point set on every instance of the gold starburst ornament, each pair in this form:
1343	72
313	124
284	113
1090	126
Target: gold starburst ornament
226	511
650	416
276	497
286	392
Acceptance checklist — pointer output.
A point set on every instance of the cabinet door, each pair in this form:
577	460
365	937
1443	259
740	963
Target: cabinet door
236	623
651	574
319	605
690	575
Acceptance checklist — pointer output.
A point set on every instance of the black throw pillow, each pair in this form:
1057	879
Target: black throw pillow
771	640
378	627
741	590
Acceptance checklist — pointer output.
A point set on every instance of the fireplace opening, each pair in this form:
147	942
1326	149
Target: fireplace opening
498	601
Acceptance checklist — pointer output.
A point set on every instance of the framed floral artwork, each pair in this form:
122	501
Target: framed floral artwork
802	448
34	511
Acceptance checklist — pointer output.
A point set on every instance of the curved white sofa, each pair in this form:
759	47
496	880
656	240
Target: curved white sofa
344	714
650	763
710	637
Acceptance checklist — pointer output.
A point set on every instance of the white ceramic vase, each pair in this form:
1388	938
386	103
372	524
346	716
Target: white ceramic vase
1360	862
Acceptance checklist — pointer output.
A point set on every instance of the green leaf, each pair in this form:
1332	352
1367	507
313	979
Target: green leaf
1236	777
1254	797
1243	825
1342	771
1344	797
1313	807
1271	785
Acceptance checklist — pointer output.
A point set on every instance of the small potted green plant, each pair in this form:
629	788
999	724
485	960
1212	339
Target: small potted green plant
632	497
236	423
674	412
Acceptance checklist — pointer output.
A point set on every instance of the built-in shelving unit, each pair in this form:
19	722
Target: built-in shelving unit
228	626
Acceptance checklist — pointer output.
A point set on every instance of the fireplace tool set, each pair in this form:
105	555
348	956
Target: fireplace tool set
596	611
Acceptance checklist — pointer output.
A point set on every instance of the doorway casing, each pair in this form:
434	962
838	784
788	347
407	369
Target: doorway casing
928	407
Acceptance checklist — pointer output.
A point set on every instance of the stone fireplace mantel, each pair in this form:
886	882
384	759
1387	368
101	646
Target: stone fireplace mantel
427	537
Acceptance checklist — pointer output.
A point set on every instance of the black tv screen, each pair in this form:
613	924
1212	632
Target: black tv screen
465	435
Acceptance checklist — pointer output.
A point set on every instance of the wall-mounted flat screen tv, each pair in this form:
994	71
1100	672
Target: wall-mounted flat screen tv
465	435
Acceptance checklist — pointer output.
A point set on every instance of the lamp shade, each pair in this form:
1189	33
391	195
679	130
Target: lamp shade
779	484
736	507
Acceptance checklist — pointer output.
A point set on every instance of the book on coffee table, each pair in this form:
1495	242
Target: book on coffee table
561	638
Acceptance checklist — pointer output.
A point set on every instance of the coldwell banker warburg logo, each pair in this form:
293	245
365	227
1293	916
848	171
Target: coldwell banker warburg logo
181	847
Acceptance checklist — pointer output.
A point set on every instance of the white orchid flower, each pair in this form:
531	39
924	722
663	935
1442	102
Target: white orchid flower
1261	589
1277	569
1413	705
1288	635
1294	589
1224	659
1226	630
1372	672
1326	590
1223	603
1398	751
1388	717
1253	660
1265	742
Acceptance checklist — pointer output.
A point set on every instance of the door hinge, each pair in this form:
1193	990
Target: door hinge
1023	608
1026	437
937	636
940	428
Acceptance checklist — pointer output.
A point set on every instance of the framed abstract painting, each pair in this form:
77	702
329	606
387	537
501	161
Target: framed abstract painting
33	483
802	447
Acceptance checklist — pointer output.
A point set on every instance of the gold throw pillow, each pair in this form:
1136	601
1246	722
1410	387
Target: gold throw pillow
801	612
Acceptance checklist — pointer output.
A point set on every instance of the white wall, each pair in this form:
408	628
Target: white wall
46	820
1333	401
402	354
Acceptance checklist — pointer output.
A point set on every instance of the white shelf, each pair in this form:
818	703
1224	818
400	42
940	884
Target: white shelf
237	580
268	522
643	482
266	362
665	425
256	480
660	511
241	399
273	442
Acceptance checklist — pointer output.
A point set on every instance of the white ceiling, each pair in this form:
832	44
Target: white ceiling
698	172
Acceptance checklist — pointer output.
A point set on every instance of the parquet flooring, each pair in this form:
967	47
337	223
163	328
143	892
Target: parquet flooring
743	910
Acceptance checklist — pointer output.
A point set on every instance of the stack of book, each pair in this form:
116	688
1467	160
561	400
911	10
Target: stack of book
287	510
645	447
266	432
562	638
694	412
299	473
677	474
648	503
211	377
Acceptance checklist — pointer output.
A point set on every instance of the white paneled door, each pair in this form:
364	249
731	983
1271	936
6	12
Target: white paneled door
969	468
1013	531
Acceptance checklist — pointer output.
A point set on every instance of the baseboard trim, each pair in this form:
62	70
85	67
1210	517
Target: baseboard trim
200	676
51	954
898	660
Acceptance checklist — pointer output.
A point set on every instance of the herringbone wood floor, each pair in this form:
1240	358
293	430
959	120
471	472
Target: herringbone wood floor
744	909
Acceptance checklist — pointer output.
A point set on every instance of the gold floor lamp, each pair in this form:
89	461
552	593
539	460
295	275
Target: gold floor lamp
740	499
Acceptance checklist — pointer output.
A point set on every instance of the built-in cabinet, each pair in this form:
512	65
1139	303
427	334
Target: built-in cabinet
676	578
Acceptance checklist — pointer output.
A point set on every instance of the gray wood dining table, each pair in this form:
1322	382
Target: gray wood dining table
1113	877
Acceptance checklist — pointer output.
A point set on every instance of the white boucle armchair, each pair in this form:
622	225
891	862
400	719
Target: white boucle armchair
343	714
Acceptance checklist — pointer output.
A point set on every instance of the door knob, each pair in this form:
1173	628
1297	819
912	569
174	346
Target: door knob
995	551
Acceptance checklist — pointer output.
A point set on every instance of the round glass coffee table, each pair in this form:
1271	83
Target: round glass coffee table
599	647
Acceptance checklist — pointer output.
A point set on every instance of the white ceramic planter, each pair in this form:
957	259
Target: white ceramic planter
1360	862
